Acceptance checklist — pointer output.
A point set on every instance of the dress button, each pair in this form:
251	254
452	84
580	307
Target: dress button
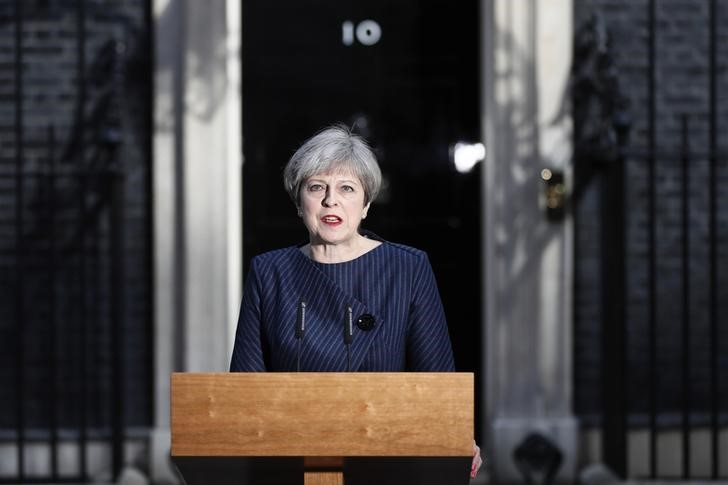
366	322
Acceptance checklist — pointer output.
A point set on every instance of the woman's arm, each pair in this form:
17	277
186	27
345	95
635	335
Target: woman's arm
428	340
248	355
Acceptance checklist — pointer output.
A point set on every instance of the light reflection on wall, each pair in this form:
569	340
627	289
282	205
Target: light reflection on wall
466	155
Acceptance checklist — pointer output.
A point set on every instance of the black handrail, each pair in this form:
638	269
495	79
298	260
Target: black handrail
651	235
54	347
685	321
117	321
713	242
80	163
19	246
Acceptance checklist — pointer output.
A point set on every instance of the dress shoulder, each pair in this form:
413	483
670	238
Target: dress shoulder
402	250
273	257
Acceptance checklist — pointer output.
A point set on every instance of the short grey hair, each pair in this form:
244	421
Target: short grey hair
333	148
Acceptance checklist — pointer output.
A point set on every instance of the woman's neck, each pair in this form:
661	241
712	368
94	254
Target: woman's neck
339	253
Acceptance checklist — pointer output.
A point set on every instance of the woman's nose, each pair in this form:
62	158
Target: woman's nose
329	199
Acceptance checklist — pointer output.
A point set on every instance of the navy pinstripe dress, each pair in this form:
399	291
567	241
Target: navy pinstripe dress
393	283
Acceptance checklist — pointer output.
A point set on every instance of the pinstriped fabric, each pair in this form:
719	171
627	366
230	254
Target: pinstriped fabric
393	282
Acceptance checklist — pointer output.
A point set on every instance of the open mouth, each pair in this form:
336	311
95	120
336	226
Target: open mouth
331	220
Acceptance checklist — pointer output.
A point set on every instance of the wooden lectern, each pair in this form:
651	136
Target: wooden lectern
319	428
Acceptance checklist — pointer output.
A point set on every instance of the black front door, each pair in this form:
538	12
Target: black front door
405	75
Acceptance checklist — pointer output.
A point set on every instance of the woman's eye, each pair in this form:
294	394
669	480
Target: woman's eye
315	187
347	188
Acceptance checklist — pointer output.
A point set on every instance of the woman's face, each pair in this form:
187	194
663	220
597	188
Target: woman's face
332	206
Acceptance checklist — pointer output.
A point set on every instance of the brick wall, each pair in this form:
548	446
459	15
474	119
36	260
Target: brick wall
66	270
682	89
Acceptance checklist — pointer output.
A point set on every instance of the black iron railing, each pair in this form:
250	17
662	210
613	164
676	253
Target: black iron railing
63	249
650	359
58	264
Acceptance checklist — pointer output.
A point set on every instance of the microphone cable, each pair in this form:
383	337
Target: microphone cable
348	336
300	328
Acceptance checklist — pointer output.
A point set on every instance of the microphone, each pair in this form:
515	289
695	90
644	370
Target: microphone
348	336
300	327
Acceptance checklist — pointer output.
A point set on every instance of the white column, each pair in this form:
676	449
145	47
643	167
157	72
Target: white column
197	193
528	259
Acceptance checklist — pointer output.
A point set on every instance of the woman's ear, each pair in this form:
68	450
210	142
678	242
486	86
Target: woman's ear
366	209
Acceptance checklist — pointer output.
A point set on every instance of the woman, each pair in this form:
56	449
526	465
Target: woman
299	302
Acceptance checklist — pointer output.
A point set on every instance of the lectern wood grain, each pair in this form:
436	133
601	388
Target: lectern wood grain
323	478
322	414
